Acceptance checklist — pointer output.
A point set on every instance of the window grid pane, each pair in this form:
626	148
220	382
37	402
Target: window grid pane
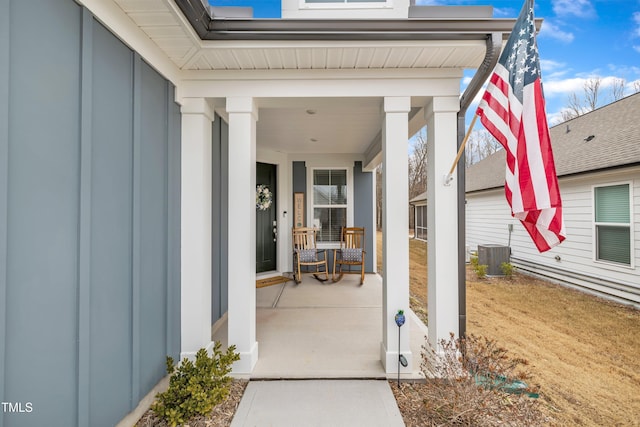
613	244
330	222
330	187
612	204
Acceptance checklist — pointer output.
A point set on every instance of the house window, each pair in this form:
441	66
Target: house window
421	223
329	203
613	223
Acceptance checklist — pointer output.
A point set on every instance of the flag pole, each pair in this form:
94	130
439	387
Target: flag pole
449	177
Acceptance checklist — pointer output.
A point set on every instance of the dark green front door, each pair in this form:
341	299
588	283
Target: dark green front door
266	225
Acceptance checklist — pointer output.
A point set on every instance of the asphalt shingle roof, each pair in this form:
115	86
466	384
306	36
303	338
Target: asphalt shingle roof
616	142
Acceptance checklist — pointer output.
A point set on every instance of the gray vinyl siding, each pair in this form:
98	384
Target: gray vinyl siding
488	216
89	219
220	219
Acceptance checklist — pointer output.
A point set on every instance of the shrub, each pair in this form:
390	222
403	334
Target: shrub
455	395
481	271
195	388
474	261
508	269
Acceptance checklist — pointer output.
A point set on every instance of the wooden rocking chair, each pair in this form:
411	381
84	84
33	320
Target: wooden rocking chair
351	253
306	254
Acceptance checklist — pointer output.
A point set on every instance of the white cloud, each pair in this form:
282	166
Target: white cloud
624	70
551	30
553	70
637	48
507	12
551	66
555	118
563	87
579	8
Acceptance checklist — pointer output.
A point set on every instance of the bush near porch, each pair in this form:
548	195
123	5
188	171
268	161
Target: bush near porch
583	350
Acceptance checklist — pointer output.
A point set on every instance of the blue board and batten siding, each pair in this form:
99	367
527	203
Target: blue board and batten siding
89	219
363	213
219	217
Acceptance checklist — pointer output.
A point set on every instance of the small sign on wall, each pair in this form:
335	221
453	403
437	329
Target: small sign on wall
298	209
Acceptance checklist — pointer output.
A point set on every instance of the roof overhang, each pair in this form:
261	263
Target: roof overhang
210	28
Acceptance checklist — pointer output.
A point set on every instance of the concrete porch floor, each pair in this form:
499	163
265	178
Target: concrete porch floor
323	330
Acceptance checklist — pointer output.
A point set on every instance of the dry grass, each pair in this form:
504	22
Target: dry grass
417	274
584	352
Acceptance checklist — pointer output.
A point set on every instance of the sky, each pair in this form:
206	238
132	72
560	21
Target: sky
579	40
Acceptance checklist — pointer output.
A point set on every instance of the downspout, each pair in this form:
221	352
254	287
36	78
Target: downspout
494	47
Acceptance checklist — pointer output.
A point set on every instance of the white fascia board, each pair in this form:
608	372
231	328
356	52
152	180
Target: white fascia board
316	85
321	73
118	22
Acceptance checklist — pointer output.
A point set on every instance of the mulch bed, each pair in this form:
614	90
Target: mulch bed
410	402
221	415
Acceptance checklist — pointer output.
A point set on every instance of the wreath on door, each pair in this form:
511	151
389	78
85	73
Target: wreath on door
264	197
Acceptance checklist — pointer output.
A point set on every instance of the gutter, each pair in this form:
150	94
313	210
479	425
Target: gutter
437	28
494	47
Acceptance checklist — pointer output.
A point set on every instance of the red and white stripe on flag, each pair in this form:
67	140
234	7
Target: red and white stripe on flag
531	183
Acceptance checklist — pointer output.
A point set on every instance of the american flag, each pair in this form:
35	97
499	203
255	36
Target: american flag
513	111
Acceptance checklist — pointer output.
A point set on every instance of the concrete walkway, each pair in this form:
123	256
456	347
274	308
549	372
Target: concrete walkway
318	403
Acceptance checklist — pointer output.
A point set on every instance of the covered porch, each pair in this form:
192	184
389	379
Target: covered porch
330	330
304	137
309	111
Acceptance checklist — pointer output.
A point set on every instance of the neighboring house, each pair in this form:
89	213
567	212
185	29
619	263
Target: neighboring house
132	137
597	157
419	204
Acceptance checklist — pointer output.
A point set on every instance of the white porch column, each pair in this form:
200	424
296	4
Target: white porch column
442	225
243	115
395	225
197	116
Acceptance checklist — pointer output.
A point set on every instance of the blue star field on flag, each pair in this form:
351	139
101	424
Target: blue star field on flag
520	55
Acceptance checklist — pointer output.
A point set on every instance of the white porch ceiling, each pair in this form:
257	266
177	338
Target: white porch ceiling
163	23
344	125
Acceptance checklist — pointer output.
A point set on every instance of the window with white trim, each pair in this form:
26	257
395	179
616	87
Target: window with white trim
420	226
329	203
613	223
